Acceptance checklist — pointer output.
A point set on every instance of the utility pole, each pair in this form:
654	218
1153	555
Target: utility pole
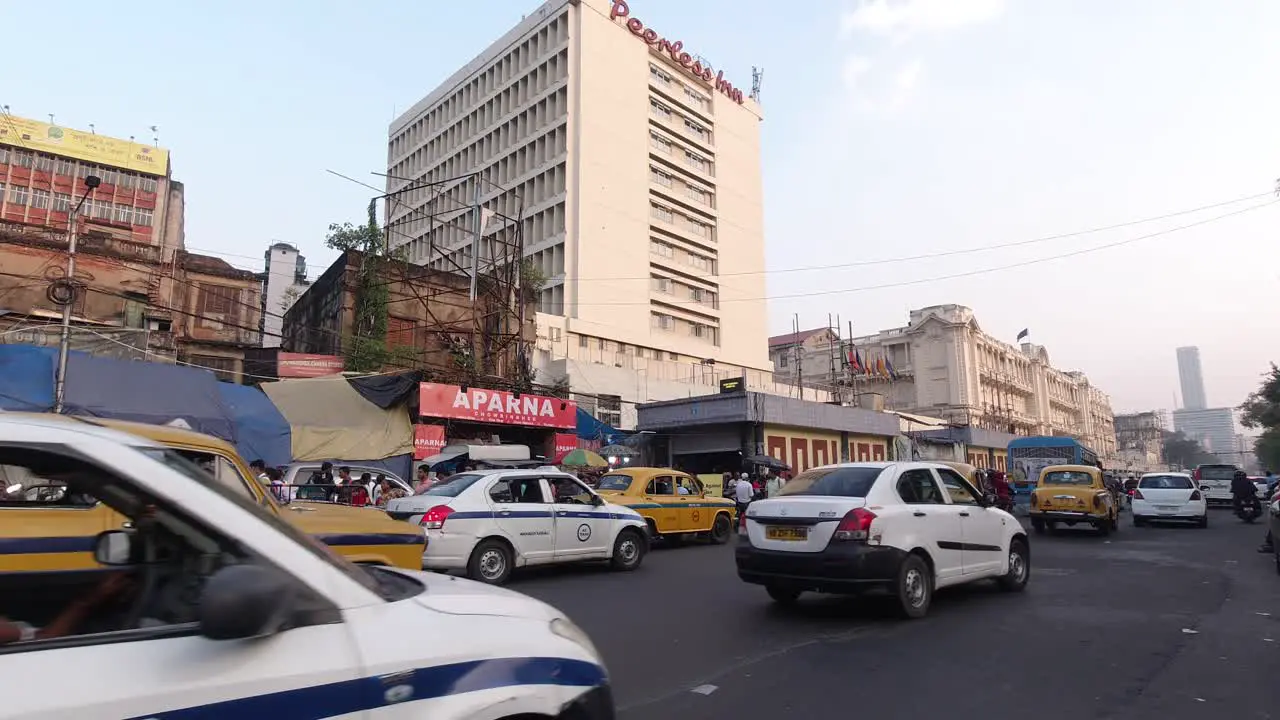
64	344
795	323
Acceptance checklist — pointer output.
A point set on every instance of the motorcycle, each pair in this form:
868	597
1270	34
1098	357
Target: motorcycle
1249	508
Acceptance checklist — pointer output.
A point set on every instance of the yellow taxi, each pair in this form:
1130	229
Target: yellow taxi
1073	494
47	530
673	503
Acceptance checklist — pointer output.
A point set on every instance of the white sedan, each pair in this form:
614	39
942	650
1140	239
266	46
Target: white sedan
488	522
906	528
1168	496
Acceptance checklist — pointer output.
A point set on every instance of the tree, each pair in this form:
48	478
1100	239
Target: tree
1184	452
1267	449
1261	410
365	349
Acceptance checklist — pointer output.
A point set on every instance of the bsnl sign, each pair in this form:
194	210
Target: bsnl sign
621	11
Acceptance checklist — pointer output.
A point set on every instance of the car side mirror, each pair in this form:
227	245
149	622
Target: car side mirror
596	500
245	601
989	500
113	548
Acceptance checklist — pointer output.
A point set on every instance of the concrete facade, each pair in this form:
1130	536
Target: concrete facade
1213	428
284	279
635	171
1191	378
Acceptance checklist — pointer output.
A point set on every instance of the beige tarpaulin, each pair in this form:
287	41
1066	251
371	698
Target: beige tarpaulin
328	419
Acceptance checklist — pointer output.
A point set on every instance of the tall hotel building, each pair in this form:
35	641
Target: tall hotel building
637	167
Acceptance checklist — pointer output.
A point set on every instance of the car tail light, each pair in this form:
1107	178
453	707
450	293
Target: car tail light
1196	474
1195	495
1137	494
856	525
434	518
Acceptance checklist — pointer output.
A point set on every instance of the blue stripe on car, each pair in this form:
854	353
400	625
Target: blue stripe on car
371	693
33	545
371	539
514	514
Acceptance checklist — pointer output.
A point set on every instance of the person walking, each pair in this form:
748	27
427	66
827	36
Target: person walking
744	492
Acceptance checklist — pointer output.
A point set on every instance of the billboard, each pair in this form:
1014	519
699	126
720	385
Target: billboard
303	365
428	440
43	137
495	406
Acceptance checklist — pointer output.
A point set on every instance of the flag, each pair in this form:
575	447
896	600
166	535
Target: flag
881	367
1025	332
892	374
857	360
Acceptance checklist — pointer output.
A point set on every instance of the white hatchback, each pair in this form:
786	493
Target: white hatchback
905	527
1168	496
489	522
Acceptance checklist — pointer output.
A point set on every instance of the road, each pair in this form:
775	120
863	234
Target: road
1171	623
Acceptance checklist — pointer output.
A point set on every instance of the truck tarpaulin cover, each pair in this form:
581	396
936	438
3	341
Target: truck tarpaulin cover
329	419
147	392
26	377
261	432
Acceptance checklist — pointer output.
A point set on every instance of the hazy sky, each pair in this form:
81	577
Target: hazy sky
892	129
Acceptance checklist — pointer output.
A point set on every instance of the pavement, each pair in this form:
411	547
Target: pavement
1159	622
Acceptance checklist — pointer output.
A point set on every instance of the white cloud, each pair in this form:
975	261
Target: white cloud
900	18
905	83
855	67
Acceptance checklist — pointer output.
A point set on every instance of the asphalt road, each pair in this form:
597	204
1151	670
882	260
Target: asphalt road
1158	622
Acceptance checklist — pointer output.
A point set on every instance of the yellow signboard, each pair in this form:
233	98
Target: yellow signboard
42	137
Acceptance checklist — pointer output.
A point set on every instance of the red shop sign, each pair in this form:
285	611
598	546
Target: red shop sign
428	440
700	70
495	406
565	443
302	365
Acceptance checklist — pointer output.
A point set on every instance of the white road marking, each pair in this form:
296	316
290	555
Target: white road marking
705	689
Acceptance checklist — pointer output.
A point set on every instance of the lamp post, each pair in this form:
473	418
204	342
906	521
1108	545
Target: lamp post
60	389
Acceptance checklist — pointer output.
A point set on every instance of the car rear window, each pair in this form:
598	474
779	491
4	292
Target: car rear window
454	486
1218	472
1166	482
1067	477
837	481
615	482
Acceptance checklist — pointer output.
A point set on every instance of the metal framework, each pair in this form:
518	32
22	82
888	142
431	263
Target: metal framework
490	256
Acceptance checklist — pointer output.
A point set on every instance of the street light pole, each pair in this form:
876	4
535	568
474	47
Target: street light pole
60	389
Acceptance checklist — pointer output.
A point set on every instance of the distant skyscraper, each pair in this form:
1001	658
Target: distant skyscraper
1191	378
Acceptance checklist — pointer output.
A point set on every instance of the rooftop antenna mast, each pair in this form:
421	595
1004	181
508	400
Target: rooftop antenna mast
757	79
155	132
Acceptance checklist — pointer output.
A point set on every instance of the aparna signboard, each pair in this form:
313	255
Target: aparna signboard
495	406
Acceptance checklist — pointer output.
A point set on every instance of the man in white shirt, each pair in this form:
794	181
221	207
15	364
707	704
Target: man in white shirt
743	493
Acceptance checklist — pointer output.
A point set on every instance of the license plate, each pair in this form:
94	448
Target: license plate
1166	508
792	534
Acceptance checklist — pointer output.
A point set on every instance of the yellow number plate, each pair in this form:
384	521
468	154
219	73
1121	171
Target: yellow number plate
774	532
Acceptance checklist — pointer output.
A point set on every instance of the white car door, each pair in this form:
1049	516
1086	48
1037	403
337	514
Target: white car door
522	510
162	666
582	530
983	527
931	521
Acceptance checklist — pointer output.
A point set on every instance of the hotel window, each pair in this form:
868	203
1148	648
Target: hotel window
659	76
696	161
660	284
698	194
696	98
661	213
124	214
61	202
18	195
40	199
65	167
660	143
661	248
699	229
582	341
695	294
696	130
659	109
660	177
142	216
662	322
44	163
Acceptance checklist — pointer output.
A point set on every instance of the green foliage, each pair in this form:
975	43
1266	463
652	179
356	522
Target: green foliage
1262	408
365	350
1184	452
532	280
1267	448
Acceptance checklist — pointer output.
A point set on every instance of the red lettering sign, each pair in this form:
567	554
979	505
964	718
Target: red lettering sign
301	365
620	10
565	443
495	406
428	440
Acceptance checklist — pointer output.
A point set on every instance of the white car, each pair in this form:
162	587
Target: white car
1168	496
216	608
488	522
903	527
1214	482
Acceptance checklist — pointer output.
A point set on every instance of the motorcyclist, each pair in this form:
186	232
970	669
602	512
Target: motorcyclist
1243	491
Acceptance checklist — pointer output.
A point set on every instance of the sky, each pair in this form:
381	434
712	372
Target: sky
892	130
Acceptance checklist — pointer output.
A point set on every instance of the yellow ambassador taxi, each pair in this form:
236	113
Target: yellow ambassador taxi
673	503
1073	494
44	530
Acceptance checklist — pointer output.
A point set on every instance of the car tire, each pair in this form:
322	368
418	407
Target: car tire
1203	522
1139	521
784	596
1103	527
721	529
914	587
491	563
1115	523
1038	526
628	550
1019	574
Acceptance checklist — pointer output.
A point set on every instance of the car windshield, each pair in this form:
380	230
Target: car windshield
833	481
614	482
1165	482
454	486
1218	472
1067	477
175	461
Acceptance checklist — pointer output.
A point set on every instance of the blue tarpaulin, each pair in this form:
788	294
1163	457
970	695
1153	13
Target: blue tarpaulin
26	377
261	432
589	428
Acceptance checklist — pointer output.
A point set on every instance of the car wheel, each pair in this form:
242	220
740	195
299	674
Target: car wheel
490	563
721	529
628	550
1203	522
782	595
1019	568
1051	527
1103	527
1275	550
1038	526
914	587
1139	521
1115	523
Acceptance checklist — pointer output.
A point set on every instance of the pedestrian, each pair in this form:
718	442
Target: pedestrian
275	479
744	493
424	480
772	484
341	483
259	468
320	484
